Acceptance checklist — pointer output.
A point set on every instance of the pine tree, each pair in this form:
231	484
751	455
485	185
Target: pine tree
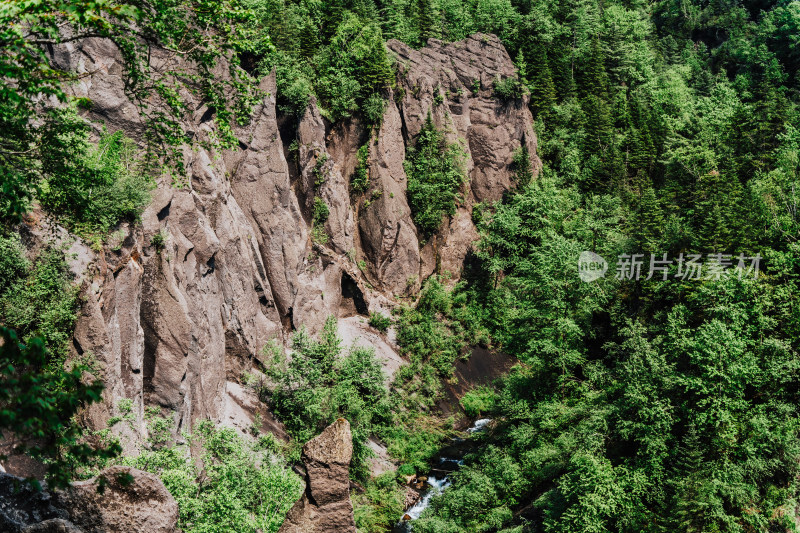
426	20
688	510
309	39
648	221
716	200
523	171
642	153
594	80
522	67
543	92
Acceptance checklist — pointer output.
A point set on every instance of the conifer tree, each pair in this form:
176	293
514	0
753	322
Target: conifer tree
522	67
426	20
543	92
648	221
688	473
309	39
594	80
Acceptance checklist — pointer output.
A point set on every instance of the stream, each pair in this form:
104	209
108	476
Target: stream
438	480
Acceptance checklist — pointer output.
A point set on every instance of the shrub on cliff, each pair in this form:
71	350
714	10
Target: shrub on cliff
319	384
91	187
435	170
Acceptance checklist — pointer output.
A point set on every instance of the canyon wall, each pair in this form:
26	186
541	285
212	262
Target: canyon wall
177	308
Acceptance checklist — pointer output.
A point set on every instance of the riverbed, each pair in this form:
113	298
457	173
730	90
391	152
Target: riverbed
438	479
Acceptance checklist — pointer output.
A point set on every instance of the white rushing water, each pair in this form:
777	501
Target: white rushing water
437	485
479	425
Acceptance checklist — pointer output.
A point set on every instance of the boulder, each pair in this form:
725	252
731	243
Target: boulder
21	505
325	506
131	501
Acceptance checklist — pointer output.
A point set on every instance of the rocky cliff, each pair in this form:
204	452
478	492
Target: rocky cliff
179	306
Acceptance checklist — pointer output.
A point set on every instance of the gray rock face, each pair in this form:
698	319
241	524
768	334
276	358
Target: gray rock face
22	506
441	79
325	506
172	326
177	325
132	502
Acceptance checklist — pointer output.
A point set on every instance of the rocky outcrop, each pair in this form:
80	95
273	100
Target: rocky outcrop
454	83
131	501
177	308
325	506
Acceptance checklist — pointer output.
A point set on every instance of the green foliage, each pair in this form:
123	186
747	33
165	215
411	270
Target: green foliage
346	70
479	401
201	31
39	301
38	403
321	382
509	89
91	188
374	107
379	507
380	321
319	235
321	211
13	264
435	171
414	439
319	171
360	179
159	428
523	170
159	240
237	485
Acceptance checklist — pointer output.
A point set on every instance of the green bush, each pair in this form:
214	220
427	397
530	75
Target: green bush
346	74
360	178
354	68
293	82
523	171
319	235
237	485
39	301
380	506
92	188
380	321
320	383
479	401
510	88
13	264
373	108
159	240
321	211
435	171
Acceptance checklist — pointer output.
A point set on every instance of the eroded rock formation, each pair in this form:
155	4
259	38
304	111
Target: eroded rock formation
325	506
177	308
